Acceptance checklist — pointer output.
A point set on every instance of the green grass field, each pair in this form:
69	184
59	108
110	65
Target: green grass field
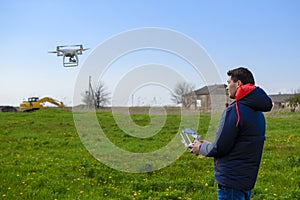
42	157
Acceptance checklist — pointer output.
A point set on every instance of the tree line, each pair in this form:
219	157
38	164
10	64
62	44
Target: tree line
99	96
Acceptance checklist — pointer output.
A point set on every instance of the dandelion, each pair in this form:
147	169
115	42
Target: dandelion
4	195
289	138
206	184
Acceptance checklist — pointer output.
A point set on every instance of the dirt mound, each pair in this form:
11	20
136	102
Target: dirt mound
8	109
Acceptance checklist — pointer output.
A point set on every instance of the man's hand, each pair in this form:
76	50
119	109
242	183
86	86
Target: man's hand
195	148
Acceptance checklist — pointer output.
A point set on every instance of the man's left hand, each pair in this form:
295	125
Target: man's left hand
195	148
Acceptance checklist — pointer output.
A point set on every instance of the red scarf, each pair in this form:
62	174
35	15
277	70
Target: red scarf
241	92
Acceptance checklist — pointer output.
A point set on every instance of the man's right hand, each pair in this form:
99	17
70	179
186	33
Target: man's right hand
195	147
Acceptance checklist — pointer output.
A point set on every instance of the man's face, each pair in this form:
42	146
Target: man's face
232	87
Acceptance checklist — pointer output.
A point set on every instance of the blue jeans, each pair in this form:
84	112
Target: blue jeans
225	193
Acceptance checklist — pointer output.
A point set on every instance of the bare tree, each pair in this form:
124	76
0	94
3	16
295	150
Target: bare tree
101	96
181	89
98	97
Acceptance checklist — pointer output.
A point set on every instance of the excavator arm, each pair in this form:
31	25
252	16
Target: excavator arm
53	101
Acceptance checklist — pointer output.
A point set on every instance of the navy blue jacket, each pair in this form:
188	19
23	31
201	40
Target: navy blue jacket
237	149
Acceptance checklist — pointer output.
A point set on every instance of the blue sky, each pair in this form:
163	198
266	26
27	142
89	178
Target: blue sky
262	35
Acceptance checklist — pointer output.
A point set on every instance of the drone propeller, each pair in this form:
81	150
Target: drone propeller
84	49
63	46
75	45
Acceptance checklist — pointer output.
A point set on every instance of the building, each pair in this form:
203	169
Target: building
280	101
212	97
215	97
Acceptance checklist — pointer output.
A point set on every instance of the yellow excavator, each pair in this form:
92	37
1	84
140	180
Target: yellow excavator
34	103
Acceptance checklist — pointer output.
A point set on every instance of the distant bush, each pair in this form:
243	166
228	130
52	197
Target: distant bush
294	102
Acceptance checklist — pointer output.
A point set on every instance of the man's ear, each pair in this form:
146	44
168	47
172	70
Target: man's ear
239	83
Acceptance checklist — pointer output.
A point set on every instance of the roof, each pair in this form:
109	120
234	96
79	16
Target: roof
279	98
212	89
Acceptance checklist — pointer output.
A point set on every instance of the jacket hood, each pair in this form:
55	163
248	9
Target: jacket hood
258	100
254	97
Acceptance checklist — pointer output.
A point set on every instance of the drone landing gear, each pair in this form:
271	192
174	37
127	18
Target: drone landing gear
70	61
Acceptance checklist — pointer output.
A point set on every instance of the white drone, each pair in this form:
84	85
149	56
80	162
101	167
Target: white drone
71	52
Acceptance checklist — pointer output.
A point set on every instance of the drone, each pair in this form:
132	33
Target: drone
70	54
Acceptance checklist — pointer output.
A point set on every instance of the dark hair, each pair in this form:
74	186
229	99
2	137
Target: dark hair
242	74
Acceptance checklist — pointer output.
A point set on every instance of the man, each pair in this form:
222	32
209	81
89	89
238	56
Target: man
238	145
